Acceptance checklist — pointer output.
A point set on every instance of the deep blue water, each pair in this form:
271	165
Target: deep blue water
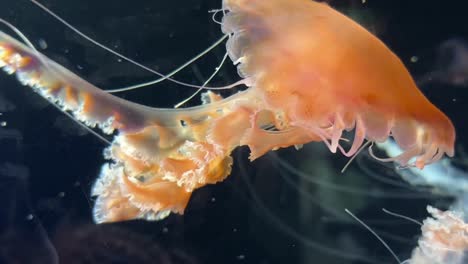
262	213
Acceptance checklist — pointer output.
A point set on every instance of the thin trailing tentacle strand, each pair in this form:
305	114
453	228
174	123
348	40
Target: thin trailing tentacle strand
141	85
204	84
172	73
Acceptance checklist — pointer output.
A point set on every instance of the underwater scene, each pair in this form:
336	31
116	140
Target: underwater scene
233	131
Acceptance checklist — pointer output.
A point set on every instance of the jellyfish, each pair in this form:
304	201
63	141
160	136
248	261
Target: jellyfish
312	74
451	66
444	238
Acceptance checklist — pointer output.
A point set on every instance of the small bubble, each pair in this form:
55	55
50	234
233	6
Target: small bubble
42	44
3	123
61	194
454	99
79	67
234	230
30	217
364	1
165	230
77	184
119	60
213	199
241	257
414	59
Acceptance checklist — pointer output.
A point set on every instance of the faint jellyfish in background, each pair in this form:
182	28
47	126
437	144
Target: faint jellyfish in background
451	64
23	240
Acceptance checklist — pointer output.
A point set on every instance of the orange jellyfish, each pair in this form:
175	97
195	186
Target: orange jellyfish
312	73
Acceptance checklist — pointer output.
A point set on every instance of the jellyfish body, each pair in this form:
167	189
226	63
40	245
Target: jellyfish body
312	72
334	76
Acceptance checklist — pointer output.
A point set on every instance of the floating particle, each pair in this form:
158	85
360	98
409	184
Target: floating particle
42	44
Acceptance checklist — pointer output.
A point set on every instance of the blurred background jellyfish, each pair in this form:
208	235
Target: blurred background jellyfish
286	207
451	64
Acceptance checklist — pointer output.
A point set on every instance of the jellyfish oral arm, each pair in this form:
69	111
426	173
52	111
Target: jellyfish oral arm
148	140
158	157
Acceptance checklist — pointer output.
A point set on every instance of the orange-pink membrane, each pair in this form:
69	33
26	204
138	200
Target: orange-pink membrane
312	72
327	74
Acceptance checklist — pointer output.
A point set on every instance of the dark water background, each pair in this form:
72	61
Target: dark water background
263	213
